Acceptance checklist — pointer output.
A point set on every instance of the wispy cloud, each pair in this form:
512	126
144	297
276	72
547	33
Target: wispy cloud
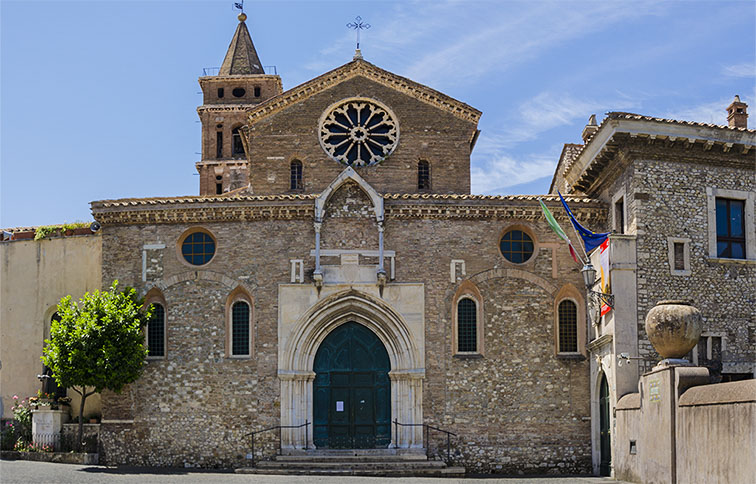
745	69
503	171
508	37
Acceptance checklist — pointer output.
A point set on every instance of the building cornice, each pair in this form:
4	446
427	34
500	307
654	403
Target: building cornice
369	71
291	207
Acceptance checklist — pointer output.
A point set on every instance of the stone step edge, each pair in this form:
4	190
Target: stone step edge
351	465
448	472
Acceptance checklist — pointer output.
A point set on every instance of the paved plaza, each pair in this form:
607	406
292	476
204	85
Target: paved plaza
17	472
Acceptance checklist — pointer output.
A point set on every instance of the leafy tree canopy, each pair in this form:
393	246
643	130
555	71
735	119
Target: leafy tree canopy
98	342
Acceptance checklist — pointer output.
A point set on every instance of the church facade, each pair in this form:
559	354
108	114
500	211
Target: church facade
335	270
335	273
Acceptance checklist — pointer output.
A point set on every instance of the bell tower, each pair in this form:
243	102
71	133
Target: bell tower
241	83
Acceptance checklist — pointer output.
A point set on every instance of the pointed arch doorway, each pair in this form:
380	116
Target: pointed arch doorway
352	390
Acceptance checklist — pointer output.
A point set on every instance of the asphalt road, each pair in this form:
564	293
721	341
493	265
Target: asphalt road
17	472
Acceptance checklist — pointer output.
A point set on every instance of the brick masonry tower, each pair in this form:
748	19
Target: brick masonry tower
240	84
737	114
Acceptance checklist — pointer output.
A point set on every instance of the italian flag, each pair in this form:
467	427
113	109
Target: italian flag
557	229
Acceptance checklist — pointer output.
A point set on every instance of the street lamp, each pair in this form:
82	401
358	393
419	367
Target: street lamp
589	278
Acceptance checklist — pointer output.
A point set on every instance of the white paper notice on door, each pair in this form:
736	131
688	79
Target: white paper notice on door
339	406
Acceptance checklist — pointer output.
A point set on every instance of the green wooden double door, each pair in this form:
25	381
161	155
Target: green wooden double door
352	391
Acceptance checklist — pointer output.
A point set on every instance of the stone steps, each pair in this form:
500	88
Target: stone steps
355	462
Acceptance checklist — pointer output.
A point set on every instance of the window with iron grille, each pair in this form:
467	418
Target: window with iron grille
731	241
240	329
237	148
295	178
568	327
198	248
423	175
467	325
516	246
156	331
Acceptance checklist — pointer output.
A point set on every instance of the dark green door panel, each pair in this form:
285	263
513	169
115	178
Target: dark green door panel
352	390
605	444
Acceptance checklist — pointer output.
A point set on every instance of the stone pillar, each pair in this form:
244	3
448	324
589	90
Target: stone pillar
380	247
296	408
318	224
47	424
407	407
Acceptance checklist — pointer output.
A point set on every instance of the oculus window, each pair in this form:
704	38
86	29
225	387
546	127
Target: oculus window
516	246
358	132
198	248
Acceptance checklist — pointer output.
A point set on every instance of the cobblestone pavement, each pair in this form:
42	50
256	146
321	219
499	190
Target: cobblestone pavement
17	472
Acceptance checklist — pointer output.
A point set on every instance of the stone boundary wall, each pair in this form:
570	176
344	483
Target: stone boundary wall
671	432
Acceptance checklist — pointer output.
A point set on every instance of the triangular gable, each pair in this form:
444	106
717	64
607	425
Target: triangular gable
349	175
359	67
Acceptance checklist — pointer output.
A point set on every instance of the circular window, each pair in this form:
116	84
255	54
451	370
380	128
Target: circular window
358	132
238	92
516	246
198	248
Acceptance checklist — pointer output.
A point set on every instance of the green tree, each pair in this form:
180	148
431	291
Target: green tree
98	343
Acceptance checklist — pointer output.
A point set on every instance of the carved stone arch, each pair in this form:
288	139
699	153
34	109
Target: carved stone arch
198	275
298	348
239	294
349	175
505	273
468	290
571	293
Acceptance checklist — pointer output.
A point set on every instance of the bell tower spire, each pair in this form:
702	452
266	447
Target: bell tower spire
241	83
241	57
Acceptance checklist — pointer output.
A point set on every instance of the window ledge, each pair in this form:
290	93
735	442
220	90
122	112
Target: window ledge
680	273
468	356
239	357
721	260
155	358
570	356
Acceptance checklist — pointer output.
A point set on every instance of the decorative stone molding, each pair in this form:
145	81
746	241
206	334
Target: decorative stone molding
373	73
299	346
514	273
199	275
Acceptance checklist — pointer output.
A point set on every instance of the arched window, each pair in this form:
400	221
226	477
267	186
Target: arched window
568	326
156	332
423	175
237	148
240	323
295	175
467	326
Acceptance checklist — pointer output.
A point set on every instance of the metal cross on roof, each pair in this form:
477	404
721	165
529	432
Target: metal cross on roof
358	25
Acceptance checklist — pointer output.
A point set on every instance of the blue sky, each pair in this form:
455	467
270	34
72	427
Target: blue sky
98	98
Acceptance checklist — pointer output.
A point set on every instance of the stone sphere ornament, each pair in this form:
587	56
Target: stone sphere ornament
673	328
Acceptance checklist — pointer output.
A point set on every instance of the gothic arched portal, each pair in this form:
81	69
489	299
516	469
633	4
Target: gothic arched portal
352	390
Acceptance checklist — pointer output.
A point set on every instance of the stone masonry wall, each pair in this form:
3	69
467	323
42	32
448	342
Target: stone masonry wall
518	408
425	132
674	204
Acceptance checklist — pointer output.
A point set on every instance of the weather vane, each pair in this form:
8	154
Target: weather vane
358	25
239	5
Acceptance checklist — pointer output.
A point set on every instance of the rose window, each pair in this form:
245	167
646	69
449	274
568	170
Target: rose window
358	132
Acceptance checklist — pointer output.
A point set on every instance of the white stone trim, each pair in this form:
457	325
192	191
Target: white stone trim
345	176
453	269
145	248
297	270
671	255
708	336
621	194
712	194
297	355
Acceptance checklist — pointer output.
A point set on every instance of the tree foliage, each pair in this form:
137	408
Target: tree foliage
98	342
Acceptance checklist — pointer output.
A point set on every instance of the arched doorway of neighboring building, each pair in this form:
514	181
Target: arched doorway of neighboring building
605	436
352	390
